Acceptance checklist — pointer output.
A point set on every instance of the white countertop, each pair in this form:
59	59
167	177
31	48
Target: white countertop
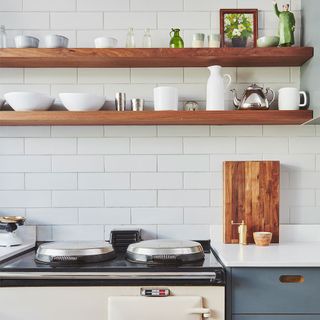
294	254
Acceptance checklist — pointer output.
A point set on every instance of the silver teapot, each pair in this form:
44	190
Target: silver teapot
254	98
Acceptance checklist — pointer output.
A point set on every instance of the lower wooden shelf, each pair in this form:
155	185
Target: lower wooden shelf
234	117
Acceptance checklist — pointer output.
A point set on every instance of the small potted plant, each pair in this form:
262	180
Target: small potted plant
238	28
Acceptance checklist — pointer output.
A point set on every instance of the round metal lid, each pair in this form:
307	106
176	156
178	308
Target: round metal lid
165	251
74	251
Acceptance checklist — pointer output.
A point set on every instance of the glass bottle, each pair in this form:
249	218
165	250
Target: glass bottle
176	40
147	42
3	37
130	39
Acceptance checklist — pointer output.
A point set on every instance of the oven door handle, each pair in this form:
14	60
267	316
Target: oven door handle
205	312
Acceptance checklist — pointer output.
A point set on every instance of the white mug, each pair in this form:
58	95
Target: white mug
289	99
165	98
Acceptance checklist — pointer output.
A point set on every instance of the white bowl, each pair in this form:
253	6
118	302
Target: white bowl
104	42
26	42
82	101
28	101
56	41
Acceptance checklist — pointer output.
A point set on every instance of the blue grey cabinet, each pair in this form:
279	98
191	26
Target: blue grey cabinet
276	317
260	291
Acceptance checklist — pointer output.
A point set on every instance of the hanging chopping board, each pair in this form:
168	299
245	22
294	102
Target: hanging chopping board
251	194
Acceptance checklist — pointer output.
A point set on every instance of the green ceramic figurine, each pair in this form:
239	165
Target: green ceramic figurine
176	41
287	25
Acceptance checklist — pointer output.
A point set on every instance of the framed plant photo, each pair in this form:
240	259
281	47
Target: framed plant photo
239	28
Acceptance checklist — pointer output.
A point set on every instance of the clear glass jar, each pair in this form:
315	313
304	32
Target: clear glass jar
3	37
130	39
147	41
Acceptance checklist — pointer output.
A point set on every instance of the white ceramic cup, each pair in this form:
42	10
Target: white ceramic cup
105	42
165	98
289	99
56	41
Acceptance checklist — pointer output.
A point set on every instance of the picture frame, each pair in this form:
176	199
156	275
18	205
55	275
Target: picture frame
239	28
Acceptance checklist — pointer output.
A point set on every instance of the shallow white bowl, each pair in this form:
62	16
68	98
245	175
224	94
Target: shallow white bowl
82	101
56	41
26	42
28	101
105	42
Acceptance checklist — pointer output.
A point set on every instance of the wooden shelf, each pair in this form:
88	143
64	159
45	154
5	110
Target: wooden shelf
269	117
154	57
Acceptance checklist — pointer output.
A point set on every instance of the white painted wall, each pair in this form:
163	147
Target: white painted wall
80	182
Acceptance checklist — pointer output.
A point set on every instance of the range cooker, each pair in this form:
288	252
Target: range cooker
34	288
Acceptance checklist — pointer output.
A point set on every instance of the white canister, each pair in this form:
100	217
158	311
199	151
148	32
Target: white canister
165	98
216	87
289	99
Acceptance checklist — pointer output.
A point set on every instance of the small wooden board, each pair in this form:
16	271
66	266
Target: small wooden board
251	193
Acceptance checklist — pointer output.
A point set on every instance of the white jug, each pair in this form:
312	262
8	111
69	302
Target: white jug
216	88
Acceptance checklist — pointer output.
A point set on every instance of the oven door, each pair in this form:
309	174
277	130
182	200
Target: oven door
157	308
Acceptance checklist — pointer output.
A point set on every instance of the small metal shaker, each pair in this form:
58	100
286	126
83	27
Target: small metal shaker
137	104
120	101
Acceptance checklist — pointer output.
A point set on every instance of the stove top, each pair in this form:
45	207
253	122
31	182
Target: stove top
25	267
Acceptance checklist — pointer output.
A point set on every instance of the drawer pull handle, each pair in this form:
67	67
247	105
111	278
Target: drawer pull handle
291	279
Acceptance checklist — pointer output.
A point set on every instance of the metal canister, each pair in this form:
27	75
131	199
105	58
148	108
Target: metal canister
137	104
120	101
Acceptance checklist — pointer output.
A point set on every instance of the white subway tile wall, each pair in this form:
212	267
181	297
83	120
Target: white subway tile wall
80	182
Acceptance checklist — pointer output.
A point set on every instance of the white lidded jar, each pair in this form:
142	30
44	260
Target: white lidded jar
216	87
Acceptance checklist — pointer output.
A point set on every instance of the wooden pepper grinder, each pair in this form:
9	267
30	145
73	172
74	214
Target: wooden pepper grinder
242	230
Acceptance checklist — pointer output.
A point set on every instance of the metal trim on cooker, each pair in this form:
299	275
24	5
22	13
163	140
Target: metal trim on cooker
104	275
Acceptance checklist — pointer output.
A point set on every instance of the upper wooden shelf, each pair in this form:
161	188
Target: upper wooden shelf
235	117
154	57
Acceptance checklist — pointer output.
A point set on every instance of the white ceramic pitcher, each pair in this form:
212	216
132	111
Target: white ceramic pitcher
216	87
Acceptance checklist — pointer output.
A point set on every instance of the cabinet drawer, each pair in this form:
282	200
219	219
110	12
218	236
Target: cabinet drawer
276	317
275	290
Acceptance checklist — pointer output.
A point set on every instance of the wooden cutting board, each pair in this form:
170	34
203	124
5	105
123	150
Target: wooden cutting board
251	193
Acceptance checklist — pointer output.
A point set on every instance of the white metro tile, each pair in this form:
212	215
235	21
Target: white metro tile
199	180
183	198
102	5
22	131
50	216
130	131
78	232
296	197
11	5
11	146
156	145
76	131
181	163
185	20
156	181
74	88
49	75
50	146
44	233
156	75
272	74
77	163
208	5
48	5
305	145
157	215
78	20
184	232
11	75
125	20
183	131
209	145
130	198
25	164
199	216
262	145
164	5
25	199
236	131
103	146
289	131
103	75
299	233
261	5
305	215
128	163
305	180
11	181
25	20
104	215
51	181
96	181
77	199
